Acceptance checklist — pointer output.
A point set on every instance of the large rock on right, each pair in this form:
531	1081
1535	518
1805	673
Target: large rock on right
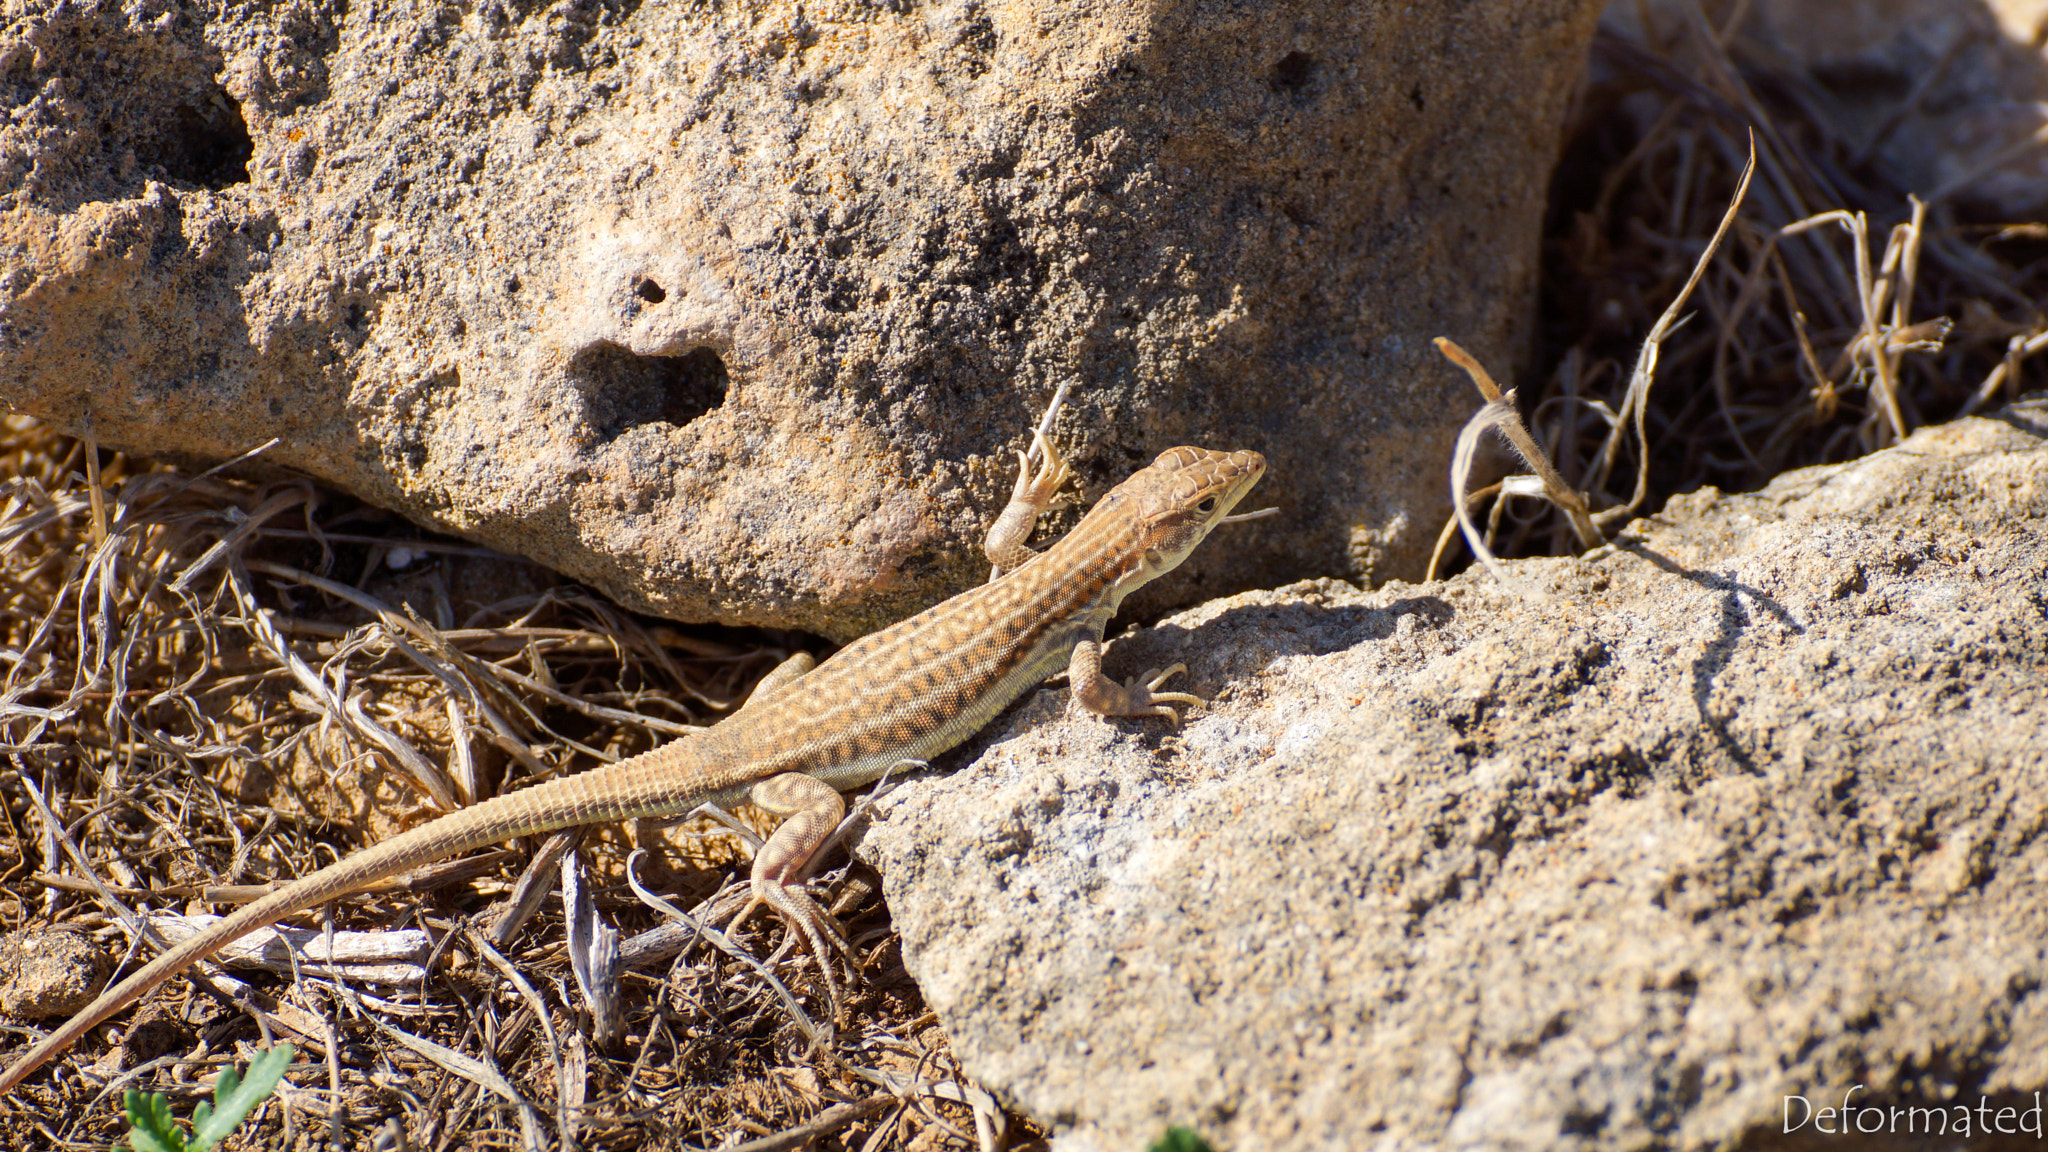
1733	821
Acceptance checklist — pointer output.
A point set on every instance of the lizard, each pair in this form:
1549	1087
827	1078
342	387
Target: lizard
905	693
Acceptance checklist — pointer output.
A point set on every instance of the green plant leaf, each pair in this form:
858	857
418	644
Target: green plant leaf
1178	1139
150	1126
234	1097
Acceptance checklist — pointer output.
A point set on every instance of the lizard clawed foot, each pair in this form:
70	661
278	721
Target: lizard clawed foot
1151	702
781	867
813	930
1037	488
812	811
1033	493
820	931
1138	697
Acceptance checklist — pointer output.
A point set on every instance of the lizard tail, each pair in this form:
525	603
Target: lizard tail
523	813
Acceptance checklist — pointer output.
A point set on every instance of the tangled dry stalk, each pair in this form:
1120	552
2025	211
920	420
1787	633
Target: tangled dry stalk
1840	315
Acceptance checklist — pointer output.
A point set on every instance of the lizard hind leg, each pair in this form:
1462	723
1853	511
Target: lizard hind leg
646	828
812	810
781	676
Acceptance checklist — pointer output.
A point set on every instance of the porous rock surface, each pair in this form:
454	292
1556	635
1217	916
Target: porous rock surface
1750	805
737	311
49	972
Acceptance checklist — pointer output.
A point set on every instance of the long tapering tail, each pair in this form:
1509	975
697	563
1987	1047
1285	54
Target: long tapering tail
556	804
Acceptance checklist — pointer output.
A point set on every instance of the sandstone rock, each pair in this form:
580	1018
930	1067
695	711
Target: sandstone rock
737	311
49	972
1750	807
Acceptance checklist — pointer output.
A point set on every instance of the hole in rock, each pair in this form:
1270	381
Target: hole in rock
649	291
1293	72
136	105
207	142
627	390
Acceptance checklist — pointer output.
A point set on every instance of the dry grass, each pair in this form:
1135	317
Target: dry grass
214	682
1840	315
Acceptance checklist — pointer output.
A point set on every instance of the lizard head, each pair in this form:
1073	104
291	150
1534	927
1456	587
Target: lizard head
1176	501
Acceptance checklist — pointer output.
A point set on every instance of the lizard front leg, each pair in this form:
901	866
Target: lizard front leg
1004	545
1106	697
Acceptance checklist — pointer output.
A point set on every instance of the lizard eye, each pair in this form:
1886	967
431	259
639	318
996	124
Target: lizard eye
1207	506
